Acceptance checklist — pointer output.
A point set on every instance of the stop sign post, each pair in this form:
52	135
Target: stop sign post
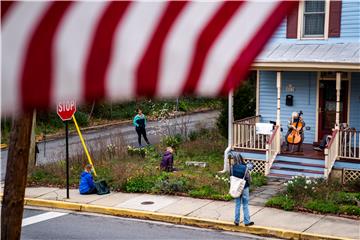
66	110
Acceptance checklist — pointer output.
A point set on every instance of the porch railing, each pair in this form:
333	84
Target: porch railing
249	120
272	149
331	153
245	136
349	144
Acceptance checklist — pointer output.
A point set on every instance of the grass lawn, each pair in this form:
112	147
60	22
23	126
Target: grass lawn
131	171
319	196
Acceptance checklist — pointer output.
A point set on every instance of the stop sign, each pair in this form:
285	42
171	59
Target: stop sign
66	109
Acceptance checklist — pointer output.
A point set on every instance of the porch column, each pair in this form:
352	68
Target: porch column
278	86
230	131
230	117
338	88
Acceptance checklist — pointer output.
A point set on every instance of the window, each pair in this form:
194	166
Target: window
314	18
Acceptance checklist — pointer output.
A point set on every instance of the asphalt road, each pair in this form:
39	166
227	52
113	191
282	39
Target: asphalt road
54	150
44	224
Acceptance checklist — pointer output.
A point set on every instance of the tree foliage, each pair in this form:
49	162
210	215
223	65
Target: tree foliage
244	103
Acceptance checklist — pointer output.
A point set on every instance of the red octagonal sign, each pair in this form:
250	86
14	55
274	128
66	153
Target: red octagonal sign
66	109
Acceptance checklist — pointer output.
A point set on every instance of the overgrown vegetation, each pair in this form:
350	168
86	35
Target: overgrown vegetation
318	195
104	112
137	170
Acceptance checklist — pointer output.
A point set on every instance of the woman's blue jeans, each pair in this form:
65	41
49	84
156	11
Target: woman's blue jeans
244	198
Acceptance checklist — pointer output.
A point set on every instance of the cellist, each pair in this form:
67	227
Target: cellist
291	127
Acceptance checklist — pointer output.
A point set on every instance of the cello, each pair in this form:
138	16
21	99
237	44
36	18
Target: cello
295	137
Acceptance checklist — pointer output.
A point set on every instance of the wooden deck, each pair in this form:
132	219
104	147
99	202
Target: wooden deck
308	152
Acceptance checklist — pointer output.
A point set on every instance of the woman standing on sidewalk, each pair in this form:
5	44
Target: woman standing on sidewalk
140	124
239	169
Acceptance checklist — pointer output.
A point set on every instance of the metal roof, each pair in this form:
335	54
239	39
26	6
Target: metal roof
332	53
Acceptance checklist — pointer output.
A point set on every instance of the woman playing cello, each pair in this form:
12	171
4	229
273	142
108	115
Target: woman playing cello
295	134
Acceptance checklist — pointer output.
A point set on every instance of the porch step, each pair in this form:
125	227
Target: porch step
291	172
278	175
292	165
289	166
301	160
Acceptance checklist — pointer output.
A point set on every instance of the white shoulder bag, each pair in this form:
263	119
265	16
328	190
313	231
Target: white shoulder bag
237	185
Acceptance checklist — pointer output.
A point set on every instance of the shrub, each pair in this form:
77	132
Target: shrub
300	188
168	185
354	185
283	202
136	151
322	206
139	184
345	198
193	135
82	118
172	141
258	179
350	210
209	192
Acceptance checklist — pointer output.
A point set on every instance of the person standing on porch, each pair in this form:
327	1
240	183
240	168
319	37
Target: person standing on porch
291	127
140	124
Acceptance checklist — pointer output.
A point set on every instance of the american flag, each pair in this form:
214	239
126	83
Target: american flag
55	51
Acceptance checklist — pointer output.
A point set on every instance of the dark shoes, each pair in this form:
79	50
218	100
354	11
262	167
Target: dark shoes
318	149
247	224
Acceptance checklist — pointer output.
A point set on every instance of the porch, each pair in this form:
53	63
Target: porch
265	151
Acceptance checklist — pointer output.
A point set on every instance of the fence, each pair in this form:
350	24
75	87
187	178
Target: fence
349	144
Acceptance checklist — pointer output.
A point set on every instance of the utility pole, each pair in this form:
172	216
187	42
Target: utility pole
16	176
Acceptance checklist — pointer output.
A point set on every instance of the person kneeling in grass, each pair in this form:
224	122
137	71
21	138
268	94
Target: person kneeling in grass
87	185
167	162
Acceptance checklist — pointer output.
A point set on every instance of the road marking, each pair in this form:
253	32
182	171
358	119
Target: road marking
41	218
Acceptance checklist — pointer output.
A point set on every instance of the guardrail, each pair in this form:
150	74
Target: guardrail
245	137
272	149
349	144
331	153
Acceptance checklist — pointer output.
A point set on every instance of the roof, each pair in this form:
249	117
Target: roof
343	56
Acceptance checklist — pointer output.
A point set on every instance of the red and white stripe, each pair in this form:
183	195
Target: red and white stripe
53	51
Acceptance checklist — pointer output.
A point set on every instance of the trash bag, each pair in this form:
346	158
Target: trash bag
102	187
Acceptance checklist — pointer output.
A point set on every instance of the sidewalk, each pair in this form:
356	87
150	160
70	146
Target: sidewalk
175	206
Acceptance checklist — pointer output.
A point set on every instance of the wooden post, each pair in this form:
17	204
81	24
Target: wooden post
338	88
16	176
278	86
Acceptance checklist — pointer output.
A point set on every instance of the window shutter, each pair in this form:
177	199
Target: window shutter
334	18
292	24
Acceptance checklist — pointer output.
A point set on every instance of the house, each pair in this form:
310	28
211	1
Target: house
311	64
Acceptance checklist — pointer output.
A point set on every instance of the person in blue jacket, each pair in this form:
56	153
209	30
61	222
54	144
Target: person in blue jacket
87	185
239	169
140	124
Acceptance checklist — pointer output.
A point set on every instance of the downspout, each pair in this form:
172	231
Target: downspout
230	130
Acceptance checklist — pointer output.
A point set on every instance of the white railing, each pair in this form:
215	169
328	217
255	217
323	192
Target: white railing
245	137
331	153
272	149
349	144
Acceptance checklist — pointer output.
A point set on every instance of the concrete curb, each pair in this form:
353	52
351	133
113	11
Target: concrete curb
177	219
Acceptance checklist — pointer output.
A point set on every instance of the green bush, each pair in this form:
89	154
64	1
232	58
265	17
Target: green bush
166	185
140	184
183	106
345	198
193	135
322	206
82	118
244	104
258	179
283	202
172	141
350	210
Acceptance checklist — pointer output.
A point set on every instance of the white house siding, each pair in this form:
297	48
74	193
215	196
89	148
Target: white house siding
355	101
304	99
